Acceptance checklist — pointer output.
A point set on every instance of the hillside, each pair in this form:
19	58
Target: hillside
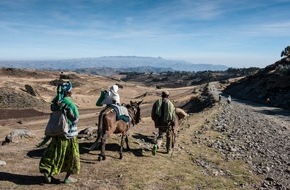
270	85
174	79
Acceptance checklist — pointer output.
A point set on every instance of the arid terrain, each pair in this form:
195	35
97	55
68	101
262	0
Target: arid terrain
241	145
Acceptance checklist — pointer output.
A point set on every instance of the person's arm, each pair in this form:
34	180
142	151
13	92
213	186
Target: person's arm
171	111
70	114
54	104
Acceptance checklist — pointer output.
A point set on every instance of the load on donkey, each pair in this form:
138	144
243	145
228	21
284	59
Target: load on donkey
115	118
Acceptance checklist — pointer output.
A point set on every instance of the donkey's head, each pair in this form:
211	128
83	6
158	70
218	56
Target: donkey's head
135	111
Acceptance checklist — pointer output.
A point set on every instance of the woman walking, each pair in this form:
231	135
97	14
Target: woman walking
62	154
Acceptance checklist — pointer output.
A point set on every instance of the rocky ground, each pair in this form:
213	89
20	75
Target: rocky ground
258	135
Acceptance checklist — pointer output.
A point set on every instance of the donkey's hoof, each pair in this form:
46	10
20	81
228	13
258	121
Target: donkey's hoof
121	157
100	158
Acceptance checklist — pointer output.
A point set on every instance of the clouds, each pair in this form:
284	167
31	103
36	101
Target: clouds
149	27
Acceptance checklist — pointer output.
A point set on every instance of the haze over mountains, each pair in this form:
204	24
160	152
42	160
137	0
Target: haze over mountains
114	62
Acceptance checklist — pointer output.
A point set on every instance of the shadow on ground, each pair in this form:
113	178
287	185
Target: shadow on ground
36	153
113	147
24	179
147	139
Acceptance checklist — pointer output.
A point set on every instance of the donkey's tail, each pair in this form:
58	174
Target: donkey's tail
96	144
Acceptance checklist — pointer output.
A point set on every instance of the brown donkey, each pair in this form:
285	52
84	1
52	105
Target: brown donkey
110	125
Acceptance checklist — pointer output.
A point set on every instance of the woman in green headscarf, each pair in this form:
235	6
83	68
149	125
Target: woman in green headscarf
62	154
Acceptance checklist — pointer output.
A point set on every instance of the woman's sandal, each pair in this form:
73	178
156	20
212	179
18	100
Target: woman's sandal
70	180
154	150
47	178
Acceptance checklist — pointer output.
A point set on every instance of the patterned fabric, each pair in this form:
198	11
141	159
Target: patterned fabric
73	128
121	112
63	89
61	155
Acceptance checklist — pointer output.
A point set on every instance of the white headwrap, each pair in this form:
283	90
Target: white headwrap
112	95
114	89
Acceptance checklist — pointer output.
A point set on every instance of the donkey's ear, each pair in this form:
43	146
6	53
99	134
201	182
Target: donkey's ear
131	103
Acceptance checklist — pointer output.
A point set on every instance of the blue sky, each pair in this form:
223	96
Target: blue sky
241	33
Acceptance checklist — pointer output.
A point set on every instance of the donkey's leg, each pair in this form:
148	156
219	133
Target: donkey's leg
103	148
100	126
127	142
121	147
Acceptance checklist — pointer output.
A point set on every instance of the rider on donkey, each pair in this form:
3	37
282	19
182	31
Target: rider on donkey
110	98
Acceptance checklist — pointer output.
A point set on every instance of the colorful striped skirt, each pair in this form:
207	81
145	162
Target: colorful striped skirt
61	155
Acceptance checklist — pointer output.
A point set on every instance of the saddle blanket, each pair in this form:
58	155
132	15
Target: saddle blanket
121	112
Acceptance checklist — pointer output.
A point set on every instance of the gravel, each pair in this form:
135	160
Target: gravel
258	135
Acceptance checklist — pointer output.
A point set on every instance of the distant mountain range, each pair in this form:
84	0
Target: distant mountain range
147	63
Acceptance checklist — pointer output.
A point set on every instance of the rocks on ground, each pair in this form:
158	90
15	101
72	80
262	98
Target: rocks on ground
260	139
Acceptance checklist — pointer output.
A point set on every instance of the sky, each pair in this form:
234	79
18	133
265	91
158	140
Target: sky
244	33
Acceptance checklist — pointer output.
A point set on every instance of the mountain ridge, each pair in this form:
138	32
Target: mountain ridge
113	62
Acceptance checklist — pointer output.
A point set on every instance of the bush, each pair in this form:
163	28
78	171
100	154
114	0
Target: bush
30	90
158	87
286	52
